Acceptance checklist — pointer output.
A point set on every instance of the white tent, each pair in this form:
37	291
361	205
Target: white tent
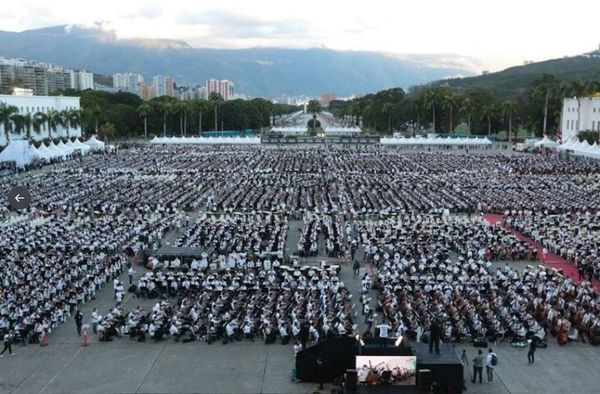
546	143
44	152
83	147
206	140
436	141
55	150
95	144
20	152
64	147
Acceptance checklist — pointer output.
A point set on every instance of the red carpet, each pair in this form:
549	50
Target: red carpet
550	259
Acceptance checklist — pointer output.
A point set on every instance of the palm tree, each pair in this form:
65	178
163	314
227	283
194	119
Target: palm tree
507	108
449	103
488	113
199	106
547	85
467	106
165	108
18	122
39	119
6	112
180	108
430	99
28	123
70	119
216	99
387	109
54	119
91	114
144	110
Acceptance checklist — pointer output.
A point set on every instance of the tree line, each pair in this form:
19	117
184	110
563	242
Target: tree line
13	121
441	108
127	115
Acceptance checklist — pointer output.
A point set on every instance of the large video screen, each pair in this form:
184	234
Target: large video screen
392	370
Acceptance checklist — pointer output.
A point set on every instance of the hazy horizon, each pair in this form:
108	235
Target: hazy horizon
488	37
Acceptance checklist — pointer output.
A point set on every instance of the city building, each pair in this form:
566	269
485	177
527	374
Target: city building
223	87
128	82
28	104
81	79
58	80
163	85
147	92
580	115
326	98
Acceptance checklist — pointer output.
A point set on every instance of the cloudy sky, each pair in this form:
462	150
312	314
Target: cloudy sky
497	33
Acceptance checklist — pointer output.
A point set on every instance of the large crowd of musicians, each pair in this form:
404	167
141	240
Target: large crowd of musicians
86	213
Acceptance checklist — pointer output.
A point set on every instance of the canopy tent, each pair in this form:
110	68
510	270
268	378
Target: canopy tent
19	151
582	148
546	143
56	151
83	147
64	147
206	141
436	141
95	144
290	130
44	152
341	130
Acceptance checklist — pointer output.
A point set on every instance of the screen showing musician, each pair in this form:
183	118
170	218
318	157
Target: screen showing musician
387	370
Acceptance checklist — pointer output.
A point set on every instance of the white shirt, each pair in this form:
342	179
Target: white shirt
383	330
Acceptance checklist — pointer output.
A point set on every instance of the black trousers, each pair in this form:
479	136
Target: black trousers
476	371
434	341
531	356
8	347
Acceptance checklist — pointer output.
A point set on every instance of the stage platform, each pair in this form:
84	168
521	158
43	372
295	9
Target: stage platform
447	354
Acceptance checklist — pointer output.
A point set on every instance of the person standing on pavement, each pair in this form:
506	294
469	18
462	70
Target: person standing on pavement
7	344
490	362
95	320
478	367
78	321
356	268
130	273
531	352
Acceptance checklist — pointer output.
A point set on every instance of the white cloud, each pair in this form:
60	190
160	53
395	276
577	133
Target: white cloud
499	33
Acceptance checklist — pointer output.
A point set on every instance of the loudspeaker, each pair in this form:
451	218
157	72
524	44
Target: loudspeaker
424	379
351	380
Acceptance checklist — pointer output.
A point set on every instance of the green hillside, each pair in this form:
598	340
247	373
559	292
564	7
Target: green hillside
515	80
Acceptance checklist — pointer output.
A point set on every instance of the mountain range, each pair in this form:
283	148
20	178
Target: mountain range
266	72
514	80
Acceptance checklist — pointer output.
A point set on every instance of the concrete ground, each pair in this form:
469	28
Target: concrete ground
244	367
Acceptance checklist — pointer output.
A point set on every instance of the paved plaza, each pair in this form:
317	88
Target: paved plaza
124	366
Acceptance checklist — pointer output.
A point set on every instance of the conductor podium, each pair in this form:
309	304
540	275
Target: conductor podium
372	366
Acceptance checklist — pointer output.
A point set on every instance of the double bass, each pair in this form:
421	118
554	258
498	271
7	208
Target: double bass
372	378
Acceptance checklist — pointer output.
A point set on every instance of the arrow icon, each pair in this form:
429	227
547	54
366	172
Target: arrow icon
19	198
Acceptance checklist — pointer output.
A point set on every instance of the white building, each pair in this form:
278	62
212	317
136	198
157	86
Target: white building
32	105
579	115
81	79
128	82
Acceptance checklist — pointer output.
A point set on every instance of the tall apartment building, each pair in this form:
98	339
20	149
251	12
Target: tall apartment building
81	79
223	87
59	80
163	85
128	82
147	92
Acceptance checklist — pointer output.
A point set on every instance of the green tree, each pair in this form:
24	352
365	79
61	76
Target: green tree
508	108
467	106
450	102
313	107
18	122
215	100
144	110
546	86
198	107
109	131
53	119
489	112
430	100
39	119
6	112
